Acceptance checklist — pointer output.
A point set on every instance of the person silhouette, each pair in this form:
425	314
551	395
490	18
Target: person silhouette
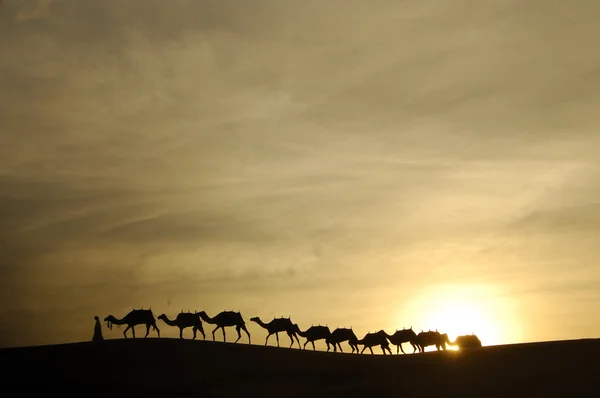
97	331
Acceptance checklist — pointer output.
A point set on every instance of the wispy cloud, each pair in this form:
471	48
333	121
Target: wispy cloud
33	9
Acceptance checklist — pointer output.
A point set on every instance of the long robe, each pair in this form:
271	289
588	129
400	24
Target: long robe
97	332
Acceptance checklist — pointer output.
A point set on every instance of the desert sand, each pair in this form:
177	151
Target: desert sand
171	367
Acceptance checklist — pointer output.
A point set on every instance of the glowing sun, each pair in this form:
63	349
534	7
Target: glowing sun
459	310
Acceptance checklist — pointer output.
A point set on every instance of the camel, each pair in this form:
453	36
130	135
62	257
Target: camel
372	339
340	335
313	334
224	319
185	320
439	340
279	325
403	336
467	341
133	318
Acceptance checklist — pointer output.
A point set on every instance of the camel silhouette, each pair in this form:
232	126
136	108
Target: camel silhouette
439	340
340	335
279	325
225	319
467	341
403	336
313	334
372	339
133	318
185	320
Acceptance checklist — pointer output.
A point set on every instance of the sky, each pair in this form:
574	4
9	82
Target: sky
374	164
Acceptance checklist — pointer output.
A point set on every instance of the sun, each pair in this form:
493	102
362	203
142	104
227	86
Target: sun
459	310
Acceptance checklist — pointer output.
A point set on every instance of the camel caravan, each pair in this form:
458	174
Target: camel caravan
333	339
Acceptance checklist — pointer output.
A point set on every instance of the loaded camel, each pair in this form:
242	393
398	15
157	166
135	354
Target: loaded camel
279	325
133	318
185	320
439	340
224	319
313	334
340	335
403	336
467	341
372	339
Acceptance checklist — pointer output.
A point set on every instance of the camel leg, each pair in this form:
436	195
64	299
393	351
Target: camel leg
402	349
277	336
125	331
213	332
133	331
371	349
246	331
224	337
363	350
181	332
237	329
147	330
267	340
313	344
291	336
201	329
195	330
297	339
414	347
157	329
305	343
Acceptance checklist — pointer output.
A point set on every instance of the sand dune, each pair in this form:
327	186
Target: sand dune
172	367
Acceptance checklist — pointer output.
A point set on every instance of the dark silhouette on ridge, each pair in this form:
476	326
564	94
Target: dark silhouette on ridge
97	331
279	325
403	336
185	320
372	339
340	335
133	318
225	319
439	340
313	334
467	341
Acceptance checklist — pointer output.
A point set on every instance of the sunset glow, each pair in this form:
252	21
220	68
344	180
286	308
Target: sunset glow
460	310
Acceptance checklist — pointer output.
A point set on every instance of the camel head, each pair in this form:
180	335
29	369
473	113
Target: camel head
162	317
254	319
109	321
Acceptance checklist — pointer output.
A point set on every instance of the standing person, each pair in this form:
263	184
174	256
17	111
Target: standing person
97	331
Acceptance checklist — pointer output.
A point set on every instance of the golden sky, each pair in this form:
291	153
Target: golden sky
374	164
